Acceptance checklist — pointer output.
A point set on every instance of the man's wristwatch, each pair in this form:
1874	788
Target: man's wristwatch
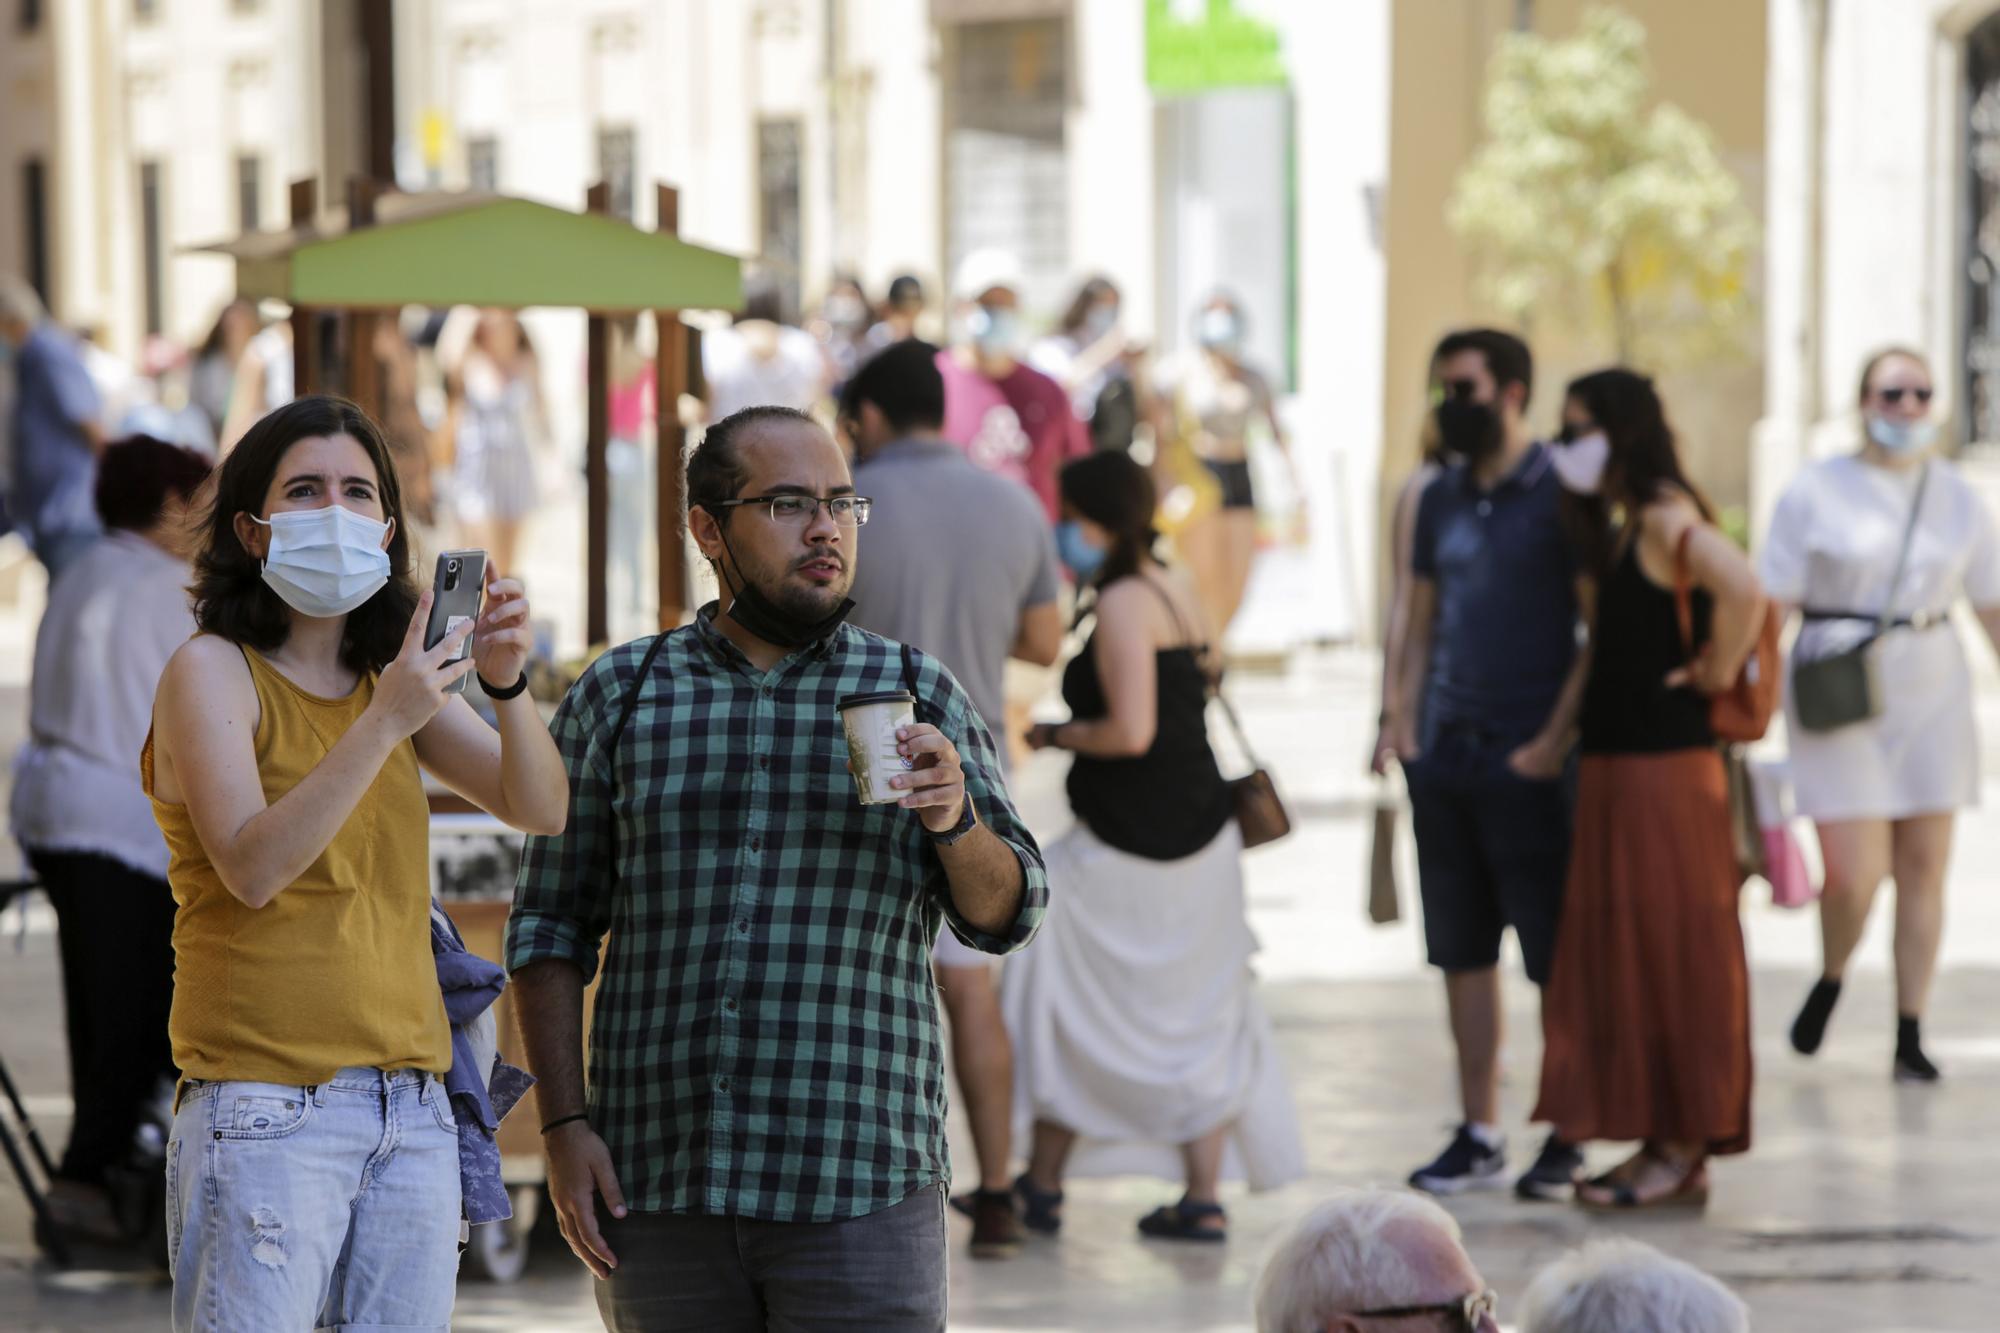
967	821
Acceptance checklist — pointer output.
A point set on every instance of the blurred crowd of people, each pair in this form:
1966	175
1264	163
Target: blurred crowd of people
1574	646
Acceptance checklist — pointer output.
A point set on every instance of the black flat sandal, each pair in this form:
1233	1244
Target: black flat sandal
1182	1221
1038	1207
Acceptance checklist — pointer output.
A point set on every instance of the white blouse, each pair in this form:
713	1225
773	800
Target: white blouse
1834	538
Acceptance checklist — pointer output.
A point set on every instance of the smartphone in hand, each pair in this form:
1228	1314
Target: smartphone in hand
456	589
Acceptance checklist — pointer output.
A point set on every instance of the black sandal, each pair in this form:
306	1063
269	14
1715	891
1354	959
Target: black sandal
1182	1221
1038	1207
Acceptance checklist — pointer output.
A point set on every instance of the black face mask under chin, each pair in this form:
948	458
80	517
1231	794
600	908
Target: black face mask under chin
770	622
1470	431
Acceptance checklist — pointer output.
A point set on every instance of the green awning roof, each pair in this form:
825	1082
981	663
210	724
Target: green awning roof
485	250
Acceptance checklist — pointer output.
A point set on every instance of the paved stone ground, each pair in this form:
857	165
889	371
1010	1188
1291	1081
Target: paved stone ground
1862	1206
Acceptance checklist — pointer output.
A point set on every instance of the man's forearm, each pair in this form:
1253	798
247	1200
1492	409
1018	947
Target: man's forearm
548	1006
986	880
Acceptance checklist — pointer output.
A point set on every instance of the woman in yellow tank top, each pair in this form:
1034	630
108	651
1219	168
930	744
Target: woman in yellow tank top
312	1171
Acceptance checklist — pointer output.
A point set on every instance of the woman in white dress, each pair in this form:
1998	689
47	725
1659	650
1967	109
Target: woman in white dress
1883	792
1135	1017
496	416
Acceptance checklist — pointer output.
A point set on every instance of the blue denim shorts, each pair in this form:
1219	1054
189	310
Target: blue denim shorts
333	1206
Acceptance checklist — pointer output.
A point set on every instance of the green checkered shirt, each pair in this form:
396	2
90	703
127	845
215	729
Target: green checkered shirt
765	1041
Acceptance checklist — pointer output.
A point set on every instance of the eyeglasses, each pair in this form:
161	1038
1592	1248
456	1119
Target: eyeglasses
1476	1312
1458	391
1894	395
794	511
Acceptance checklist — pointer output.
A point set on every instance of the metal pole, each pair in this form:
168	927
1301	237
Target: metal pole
671	357
597	474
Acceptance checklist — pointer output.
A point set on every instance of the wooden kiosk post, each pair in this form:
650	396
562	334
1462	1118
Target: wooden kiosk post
675	345
596	470
305	337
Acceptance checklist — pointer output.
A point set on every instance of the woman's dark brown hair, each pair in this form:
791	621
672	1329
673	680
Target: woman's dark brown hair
1644	463
1118	495
1087	296
231	599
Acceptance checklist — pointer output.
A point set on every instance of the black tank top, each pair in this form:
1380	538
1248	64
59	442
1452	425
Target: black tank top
1627	707
1171	801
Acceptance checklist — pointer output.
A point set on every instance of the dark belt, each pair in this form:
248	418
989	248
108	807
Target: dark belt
1915	620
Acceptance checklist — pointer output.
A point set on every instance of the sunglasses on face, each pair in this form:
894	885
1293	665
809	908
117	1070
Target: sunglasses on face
1457	391
1894	396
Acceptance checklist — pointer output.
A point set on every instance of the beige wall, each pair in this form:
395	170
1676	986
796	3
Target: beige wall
1708	57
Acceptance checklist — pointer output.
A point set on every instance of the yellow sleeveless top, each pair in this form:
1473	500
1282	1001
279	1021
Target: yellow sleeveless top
336	970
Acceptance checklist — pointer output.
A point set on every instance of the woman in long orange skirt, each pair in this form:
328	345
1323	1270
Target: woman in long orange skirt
1646	1017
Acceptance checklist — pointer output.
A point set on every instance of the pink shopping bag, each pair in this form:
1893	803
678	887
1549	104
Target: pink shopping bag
1785	868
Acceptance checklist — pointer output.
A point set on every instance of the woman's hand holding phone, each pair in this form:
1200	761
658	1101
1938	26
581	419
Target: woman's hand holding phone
504	641
415	687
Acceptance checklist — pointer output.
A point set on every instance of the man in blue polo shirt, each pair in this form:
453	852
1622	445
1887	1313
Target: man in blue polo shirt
1492	656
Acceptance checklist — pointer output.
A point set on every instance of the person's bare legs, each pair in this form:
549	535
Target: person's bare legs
1200	545
1856	853
1474	999
1203	1160
1921	855
1048	1153
1857	856
506	545
1236	549
983	1058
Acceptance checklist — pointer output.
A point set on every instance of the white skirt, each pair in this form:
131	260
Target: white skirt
1135	1016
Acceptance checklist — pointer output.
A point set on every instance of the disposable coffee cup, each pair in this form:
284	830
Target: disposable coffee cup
871	721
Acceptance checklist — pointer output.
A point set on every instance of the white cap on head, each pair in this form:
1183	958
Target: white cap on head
982	271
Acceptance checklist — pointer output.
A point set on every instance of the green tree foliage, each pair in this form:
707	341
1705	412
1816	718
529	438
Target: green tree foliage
1587	203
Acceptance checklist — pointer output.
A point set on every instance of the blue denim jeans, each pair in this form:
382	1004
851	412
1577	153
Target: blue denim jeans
327	1207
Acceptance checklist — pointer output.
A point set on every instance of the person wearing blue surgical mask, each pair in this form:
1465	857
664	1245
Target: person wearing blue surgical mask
1211	401
1884	791
1009	417
1145	972
284	769
1092	356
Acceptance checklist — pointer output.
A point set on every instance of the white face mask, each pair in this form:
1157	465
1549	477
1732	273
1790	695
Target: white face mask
1580	464
1902	437
325	562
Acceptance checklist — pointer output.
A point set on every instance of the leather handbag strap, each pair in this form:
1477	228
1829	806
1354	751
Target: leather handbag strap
1212	678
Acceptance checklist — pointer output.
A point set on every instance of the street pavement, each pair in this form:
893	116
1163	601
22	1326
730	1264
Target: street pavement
1862	1205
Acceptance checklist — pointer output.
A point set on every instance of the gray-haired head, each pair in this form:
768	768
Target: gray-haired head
1633	1288
1363	1250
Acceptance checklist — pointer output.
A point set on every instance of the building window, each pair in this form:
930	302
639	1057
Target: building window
482	165
1007	172
249	192
145	10
780	235
35	225
30	15
153	257
617	167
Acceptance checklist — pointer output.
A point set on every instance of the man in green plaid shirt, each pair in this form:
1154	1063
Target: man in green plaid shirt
764	1122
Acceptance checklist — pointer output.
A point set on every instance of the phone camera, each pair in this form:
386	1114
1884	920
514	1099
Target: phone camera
450	575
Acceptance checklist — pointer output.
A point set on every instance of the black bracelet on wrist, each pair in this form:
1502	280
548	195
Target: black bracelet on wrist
495	693
564	1120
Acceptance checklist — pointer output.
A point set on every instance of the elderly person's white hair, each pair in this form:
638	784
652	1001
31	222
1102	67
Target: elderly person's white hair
1631	1287
1350	1253
19	303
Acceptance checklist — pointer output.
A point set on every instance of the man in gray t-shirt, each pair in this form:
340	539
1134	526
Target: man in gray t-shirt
959	563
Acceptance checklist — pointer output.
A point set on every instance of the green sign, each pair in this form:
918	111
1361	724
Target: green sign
1195	46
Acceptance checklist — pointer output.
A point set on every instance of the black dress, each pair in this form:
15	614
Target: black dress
1636	643
1169	802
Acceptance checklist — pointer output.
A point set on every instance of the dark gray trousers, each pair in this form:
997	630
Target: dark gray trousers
682	1274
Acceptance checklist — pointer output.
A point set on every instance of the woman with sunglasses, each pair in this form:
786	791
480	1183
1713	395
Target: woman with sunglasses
1879	545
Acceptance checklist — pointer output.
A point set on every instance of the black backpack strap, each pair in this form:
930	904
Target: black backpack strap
625	711
926	712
